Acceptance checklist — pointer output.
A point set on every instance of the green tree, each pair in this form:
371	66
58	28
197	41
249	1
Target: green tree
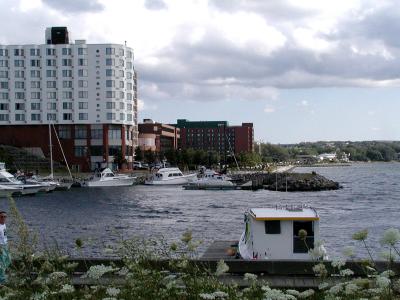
149	156
138	154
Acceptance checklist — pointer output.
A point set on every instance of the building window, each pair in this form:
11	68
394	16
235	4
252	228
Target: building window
51	106
80	132
82	62
50	62
110	72
82	73
121	105
96	150
129	65
3	63
19	117
3	52
121	63
129	107
19	74
83	116
67	62
110	105
4	117
35	84
35	74
67	73
35	95
110	62
129	86
51	95
3	74
122	117
67	95
121	73
96	133
83	94
50	51
51	84
82	51
67	84
83	83
4	96
129	117
66	51
110	83
121	95
128	75
128	96
272	227
35	52
110	51
67	105
79	151
18	52
64	132
67	117
110	94
35	106
50	73
35	117
4	106
83	105
19	106
3	85
51	117
19	95
19	84
110	116
35	63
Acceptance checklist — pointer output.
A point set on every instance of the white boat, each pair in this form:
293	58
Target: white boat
281	232
170	176
47	186
6	191
8	179
107	178
210	179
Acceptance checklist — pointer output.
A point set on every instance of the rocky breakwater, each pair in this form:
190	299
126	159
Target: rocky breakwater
291	182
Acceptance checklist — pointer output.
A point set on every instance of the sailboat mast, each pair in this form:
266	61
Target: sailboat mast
51	153
62	151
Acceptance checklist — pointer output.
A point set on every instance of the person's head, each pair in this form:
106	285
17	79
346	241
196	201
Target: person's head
3	217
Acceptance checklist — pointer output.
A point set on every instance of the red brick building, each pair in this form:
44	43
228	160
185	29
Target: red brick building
157	136
216	136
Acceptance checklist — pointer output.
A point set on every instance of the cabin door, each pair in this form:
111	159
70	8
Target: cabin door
301	244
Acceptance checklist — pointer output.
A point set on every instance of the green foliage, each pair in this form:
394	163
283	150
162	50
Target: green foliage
139	155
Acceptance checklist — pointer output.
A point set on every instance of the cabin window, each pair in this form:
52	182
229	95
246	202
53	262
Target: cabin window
272	227
302	245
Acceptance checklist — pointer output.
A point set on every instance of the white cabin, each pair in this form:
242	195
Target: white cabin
273	233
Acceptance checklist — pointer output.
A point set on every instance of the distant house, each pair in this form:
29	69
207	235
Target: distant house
327	157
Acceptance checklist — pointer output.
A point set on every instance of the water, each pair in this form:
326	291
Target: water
370	198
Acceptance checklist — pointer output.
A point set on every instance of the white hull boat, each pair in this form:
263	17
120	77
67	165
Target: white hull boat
9	180
211	180
107	178
6	191
170	176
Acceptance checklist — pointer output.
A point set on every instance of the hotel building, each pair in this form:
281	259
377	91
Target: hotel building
87	91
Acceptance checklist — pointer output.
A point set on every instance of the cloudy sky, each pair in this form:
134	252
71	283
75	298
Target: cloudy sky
299	70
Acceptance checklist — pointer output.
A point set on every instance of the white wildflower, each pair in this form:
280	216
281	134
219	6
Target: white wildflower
113	292
338	263
317	253
351	289
250	277
220	294
336	289
222	268
275	294
95	272
382	282
390	237
123	271
306	294
320	270
207	296
348	251
38	296
388	273
56	276
67	289
323	285
371	269
346	272
109	298
293	292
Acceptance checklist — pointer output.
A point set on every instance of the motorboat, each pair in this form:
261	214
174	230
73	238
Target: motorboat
170	176
8	179
281	232
209	180
47	186
6	190
106	178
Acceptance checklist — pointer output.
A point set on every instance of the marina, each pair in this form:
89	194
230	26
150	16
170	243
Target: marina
104	216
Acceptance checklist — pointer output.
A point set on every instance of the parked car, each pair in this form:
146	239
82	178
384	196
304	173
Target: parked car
136	165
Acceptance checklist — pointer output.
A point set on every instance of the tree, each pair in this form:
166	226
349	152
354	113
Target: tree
149	156
119	159
138	154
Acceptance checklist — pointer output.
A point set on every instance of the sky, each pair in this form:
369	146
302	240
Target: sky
304	70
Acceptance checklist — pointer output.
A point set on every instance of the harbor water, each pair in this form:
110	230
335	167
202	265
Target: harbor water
370	199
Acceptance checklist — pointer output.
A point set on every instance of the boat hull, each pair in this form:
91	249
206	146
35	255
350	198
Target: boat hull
112	182
182	180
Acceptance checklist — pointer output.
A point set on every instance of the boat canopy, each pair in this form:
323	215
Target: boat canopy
284	213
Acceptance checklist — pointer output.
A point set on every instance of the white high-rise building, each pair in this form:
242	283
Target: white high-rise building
88	91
